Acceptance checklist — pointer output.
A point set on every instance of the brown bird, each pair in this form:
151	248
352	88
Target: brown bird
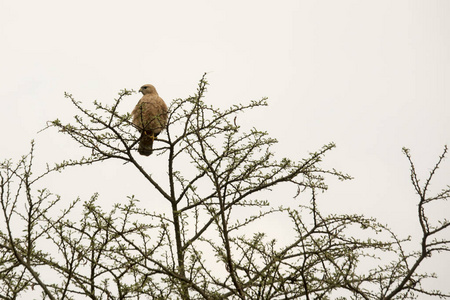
150	117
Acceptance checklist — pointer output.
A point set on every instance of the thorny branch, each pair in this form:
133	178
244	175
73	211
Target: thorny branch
215	244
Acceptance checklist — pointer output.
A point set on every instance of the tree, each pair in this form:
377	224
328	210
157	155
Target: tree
213	245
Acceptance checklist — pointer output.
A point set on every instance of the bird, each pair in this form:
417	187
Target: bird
150	118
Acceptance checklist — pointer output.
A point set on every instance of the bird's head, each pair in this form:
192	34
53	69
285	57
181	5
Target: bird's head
147	89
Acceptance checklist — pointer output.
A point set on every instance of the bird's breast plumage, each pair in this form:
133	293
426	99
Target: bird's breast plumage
150	114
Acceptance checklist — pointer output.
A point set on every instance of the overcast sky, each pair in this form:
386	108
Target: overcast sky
371	76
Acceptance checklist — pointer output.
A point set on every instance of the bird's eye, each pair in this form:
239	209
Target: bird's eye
144	87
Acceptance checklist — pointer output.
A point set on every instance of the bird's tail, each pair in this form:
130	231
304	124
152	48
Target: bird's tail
146	144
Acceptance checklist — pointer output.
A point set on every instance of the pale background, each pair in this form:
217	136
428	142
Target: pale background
372	76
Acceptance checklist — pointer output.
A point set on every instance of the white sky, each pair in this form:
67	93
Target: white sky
372	76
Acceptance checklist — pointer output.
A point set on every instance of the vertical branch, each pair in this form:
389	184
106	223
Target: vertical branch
426	249
24	256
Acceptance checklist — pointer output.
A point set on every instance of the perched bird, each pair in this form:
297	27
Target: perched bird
150	117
